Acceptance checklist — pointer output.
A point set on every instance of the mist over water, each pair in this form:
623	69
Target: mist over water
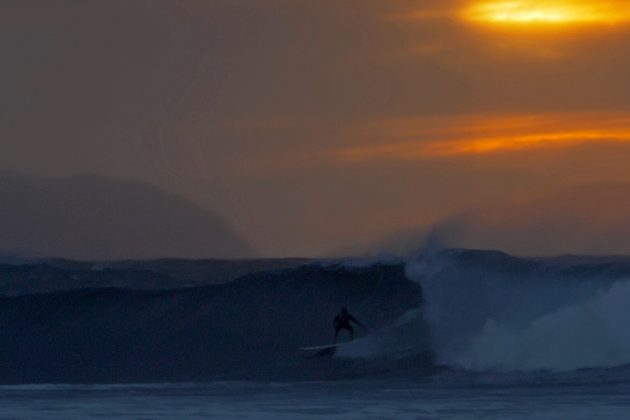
489	311
588	335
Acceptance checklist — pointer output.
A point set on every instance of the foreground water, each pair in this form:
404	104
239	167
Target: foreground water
341	400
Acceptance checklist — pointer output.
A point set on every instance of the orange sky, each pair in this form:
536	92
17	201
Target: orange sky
319	126
484	134
523	13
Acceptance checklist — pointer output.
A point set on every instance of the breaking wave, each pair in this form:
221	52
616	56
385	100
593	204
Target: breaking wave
454	310
491	311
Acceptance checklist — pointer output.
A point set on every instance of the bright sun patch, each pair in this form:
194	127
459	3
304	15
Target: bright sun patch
541	12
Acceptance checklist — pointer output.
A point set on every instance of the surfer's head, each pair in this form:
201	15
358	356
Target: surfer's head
344	310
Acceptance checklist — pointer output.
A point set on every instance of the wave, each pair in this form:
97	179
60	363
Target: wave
251	328
491	311
453	311
21	277
589	335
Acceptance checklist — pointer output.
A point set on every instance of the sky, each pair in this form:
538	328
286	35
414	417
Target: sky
326	127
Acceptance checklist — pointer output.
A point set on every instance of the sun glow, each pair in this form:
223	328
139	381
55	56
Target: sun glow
465	136
540	12
483	135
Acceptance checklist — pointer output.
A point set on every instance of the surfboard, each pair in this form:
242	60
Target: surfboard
324	347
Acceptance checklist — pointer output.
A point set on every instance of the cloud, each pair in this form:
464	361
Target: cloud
523	13
475	135
419	139
315	119
88	217
585	219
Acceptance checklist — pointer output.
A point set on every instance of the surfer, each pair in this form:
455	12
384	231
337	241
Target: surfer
342	322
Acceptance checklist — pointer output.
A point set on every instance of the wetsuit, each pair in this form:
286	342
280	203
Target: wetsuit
342	322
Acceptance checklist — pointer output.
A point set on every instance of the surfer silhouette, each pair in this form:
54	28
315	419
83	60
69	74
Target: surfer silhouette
342	322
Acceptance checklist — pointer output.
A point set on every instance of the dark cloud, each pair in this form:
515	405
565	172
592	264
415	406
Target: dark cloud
101	218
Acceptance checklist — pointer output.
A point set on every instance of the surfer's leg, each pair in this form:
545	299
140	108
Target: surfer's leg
351	332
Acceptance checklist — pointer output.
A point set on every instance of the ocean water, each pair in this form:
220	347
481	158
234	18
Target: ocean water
317	400
452	334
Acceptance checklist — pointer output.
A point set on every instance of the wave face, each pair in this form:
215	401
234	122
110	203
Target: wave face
251	328
21	277
491	311
455	310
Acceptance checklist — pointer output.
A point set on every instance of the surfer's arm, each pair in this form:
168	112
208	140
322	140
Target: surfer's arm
353	319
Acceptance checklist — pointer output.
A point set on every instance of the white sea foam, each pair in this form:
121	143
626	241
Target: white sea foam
511	319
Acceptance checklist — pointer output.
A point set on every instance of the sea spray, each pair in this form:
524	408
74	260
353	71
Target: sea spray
491	311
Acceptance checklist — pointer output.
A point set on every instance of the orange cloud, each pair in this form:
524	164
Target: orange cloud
526	12
520	13
410	139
